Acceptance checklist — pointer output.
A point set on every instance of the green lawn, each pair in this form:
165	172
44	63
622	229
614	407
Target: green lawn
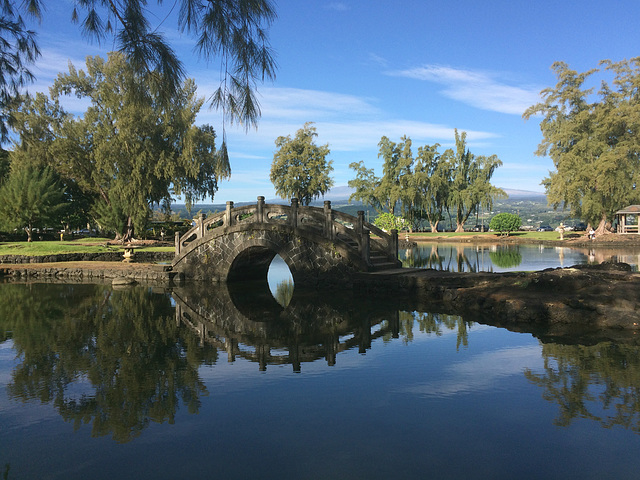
85	245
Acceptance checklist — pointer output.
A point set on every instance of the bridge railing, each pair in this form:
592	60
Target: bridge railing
331	224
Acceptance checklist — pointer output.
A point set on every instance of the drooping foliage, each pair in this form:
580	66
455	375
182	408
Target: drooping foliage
470	186
593	140
429	184
18	51
385	192
233	32
300	168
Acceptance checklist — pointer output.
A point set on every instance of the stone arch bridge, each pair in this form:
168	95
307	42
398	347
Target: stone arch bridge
321	246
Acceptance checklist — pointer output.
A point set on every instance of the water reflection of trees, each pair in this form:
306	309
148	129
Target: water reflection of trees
598	382
121	349
448	257
506	257
434	324
122	359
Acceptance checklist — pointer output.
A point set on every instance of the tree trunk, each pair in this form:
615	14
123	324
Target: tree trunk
459	227
128	235
602	227
29	231
434	226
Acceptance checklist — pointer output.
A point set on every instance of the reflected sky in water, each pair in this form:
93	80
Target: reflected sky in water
195	383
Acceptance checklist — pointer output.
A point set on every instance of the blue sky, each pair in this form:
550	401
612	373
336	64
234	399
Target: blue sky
363	69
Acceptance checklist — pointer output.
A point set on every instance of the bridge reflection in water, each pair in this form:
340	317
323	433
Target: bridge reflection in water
245	320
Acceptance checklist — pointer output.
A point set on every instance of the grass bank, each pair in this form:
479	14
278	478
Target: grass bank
85	245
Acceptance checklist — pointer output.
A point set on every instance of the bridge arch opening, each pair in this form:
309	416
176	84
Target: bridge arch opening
280	281
266	271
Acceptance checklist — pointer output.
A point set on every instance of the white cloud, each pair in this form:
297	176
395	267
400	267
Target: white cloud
378	60
478	89
481	372
347	122
337	6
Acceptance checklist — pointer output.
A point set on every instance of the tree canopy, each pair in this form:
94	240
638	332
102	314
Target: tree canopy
231	31
593	140
385	192
470	187
129	150
300	168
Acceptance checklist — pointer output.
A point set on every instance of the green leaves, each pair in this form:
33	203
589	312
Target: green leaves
230	31
505	223
31	197
388	221
593	140
429	184
18	50
300	168
129	149
233	32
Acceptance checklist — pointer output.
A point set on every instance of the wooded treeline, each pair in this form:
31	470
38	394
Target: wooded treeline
430	184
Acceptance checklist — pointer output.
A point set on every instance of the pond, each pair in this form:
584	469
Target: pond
466	257
223	382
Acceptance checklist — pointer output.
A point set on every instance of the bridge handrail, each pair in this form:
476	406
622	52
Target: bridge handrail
333	225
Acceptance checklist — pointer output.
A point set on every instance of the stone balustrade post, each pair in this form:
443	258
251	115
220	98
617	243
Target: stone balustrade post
365	244
360	222
294	213
230	347
177	240
260	210
359	227
200	225
393	244
201	218
228	218
328	220
178	313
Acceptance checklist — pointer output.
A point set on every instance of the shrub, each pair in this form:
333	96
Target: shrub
505	223
388	222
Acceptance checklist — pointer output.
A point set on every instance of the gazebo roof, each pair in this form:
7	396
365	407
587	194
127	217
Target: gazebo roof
631	209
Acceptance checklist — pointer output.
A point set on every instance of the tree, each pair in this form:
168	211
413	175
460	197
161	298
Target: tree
233	31
384	193
31	198
470	186
594	145
431	184
129	149
505	223
300	168
428	185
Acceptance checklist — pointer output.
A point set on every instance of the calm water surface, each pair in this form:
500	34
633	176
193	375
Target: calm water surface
463	257
217	382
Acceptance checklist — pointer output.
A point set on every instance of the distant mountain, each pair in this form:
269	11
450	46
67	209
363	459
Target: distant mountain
524	194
